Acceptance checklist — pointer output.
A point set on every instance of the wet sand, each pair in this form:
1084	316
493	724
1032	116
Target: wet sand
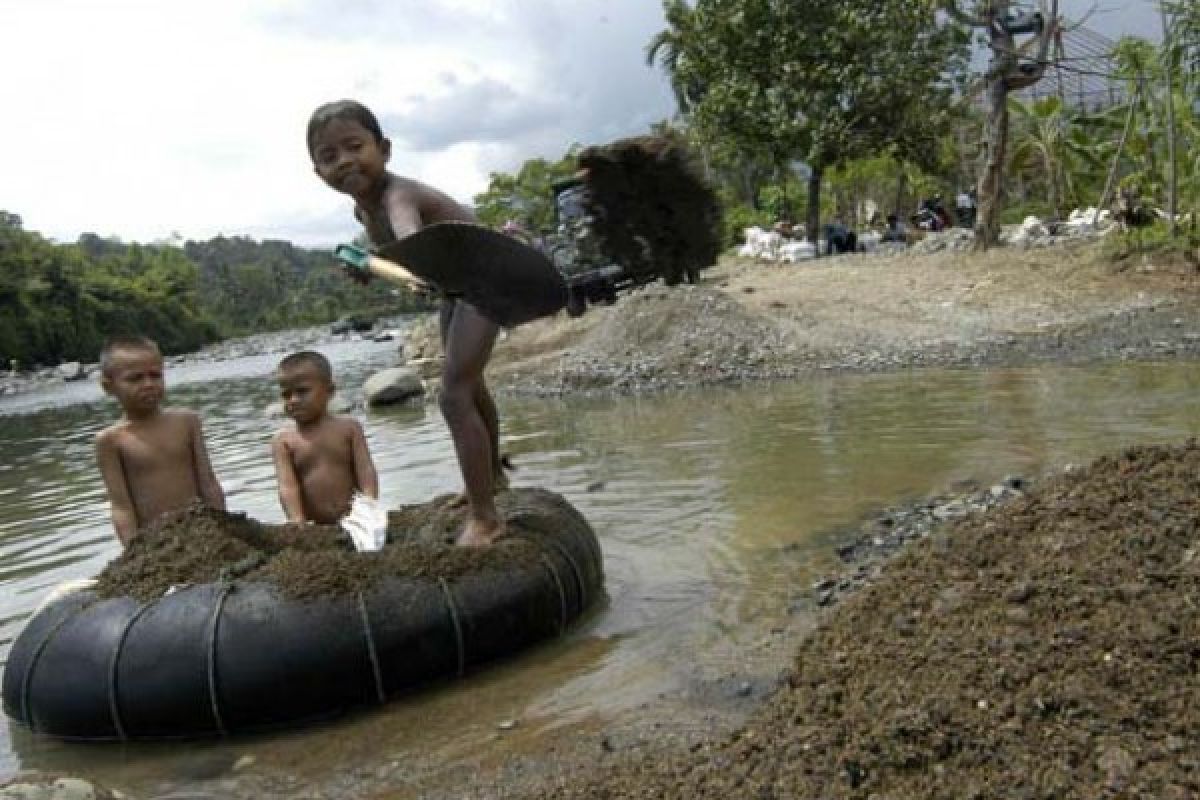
1043	648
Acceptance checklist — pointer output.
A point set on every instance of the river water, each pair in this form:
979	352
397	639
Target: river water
716	510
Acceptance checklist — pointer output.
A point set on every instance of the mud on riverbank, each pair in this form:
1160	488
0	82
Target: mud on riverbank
1045	648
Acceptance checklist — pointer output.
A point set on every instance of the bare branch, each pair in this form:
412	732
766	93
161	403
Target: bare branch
1082	21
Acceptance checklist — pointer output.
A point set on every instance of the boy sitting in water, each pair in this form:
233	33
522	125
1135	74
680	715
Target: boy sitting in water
350	153
153	460
323	460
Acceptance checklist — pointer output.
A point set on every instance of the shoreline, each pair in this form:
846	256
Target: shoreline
750	321
1018	640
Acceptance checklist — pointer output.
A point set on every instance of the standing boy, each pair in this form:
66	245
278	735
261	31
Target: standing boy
350	154
153	460
324	460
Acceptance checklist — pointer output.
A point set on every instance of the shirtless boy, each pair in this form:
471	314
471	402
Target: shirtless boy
350	154
153	460
323	460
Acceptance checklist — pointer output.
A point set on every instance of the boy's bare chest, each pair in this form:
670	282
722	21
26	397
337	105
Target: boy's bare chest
311	452
161	447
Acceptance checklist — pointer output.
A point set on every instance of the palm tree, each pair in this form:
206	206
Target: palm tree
1042	137
667	48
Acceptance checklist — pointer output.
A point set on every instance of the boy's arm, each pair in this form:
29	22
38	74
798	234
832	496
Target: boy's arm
365	477
290	496
206	480
403	209
108	458
411	205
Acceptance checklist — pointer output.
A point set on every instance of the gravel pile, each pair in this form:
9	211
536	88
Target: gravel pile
1045	648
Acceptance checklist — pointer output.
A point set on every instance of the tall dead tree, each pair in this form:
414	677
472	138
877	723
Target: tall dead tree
1011	67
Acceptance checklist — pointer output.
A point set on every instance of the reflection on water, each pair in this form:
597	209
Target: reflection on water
715	509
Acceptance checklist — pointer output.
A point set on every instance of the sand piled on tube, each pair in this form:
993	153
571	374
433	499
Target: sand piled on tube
200	545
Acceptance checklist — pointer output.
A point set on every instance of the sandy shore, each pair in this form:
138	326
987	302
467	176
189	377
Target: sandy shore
753	320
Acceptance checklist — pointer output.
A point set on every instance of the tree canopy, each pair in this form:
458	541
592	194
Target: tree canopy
817	82
58	302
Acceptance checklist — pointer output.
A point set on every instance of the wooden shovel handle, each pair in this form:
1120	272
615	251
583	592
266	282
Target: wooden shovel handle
395	273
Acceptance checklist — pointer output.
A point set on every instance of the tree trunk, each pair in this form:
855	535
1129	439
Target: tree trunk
991	181
1055	196
1172	176
812	223
1110	181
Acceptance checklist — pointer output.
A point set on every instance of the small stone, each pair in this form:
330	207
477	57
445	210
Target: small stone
508	724
1117	765
244	762
1020	592
745	689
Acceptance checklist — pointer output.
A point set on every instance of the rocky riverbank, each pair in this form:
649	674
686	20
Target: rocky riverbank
1069	303
280	342
1044	647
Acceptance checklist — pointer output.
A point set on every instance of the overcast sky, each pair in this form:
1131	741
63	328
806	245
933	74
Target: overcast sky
139	119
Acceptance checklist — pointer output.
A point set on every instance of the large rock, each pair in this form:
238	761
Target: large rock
71	371
42	786
392	386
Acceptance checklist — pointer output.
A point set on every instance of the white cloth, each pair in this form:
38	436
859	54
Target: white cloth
366	523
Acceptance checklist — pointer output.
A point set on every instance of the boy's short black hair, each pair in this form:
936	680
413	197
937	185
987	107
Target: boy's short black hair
124	342
309	358
342	109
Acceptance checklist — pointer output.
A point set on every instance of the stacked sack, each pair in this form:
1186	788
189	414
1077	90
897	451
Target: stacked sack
772	246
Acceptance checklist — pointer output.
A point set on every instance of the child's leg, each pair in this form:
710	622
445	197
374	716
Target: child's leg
487	410
468	339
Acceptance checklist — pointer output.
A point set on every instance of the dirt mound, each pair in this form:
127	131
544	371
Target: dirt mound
653	211
686	335
201	545
1047	648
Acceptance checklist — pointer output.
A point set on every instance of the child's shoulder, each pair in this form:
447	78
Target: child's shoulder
435	205
112	433
181	416
343	422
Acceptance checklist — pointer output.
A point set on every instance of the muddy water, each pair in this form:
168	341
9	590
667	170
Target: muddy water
716	510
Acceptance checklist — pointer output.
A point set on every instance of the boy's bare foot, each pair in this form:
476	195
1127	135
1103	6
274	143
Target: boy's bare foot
480	533
499	484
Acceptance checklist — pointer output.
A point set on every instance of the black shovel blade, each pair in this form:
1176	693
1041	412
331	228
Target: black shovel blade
509	282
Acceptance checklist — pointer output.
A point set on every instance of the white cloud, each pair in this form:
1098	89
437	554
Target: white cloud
137	119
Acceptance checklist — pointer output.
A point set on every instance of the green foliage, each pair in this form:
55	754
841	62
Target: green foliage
247	286
739	217
525	197
777	81
1155	240
58	302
